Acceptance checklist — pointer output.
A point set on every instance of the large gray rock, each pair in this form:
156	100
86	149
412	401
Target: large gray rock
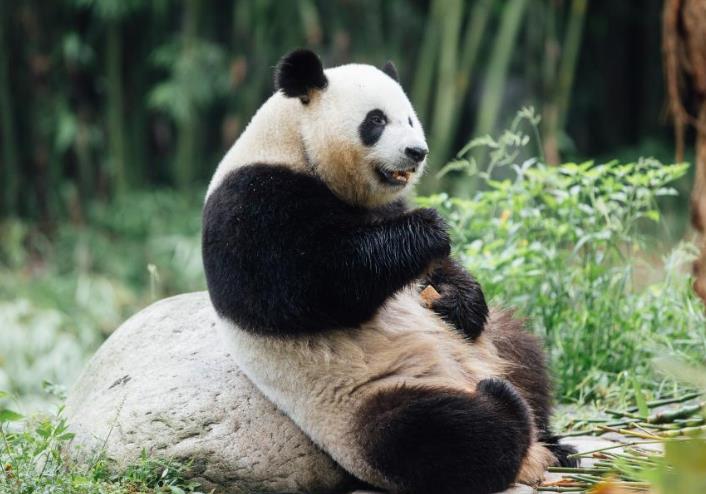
164	382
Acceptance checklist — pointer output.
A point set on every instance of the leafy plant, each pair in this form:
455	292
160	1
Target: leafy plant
564	245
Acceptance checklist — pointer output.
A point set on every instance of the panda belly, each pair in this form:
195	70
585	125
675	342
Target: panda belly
331	385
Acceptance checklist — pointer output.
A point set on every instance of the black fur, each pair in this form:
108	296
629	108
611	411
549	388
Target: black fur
462	303
372	127
390	210
530	375
445	441
299	72
390	69
283	255
560	451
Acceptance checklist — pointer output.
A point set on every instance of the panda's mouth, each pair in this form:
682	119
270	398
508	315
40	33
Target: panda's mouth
395	178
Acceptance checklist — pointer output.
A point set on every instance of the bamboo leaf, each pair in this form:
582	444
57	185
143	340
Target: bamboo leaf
640	400
9	416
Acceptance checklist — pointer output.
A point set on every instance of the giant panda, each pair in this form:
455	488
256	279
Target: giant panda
315	264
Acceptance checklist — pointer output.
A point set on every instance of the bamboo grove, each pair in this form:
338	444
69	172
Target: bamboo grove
101	96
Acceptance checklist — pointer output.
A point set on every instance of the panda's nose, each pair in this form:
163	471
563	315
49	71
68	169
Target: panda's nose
416	153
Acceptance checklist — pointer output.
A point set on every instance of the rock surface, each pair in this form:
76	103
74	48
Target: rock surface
163	382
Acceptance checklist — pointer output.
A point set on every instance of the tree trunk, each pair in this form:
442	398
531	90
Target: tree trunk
698	204
684	51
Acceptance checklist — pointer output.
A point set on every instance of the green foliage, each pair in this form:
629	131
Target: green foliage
564	245
32	460
683	469
187	90
60	296
111	9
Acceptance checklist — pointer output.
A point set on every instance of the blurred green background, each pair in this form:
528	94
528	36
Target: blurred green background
114	114
99	97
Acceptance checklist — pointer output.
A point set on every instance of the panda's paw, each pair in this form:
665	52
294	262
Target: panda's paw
459	312
564	454
432	231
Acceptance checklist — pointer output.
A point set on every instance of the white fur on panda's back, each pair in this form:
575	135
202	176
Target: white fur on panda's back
272	136
322	381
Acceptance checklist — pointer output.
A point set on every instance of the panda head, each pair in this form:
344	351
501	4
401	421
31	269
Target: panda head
359	131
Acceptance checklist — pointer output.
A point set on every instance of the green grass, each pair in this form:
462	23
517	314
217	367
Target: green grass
566	246
33	462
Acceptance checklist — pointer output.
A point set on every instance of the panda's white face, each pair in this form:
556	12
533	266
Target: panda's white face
362	136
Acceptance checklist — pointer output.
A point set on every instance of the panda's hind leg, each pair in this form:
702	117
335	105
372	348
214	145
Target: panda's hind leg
528	372
447	441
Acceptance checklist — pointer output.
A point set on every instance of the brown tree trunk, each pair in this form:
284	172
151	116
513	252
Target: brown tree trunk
698	203
684	51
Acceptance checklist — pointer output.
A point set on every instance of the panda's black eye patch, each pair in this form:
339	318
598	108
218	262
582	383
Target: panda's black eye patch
372	127
409	119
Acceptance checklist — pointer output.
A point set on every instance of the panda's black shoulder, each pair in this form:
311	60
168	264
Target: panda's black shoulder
272	191
271	183
262	229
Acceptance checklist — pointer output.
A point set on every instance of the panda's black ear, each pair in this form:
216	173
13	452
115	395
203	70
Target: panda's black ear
390	69
298	73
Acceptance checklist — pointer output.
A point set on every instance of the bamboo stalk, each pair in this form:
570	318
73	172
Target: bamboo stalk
557	109
446	121
608	448
667	401
577	470
115	108
627	432
679	413
10	169
585	478
619	413
560	489
478	20
496	75
445	99
686	431
690	421
569	59
187	127
423	77
585	432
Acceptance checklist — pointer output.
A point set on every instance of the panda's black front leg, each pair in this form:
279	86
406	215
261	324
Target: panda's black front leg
461	302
